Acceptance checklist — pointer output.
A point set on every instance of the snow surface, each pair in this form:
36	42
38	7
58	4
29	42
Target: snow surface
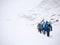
19	19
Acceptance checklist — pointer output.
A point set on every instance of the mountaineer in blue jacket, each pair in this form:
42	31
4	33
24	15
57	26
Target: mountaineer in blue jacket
47	27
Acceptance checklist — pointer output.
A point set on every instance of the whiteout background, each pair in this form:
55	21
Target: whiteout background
18	20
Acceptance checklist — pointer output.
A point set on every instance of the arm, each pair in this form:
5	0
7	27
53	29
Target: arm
51	27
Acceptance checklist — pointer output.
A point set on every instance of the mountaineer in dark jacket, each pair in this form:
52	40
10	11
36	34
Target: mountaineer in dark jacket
40	27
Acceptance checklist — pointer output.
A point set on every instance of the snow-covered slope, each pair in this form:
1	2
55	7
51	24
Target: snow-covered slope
18	20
